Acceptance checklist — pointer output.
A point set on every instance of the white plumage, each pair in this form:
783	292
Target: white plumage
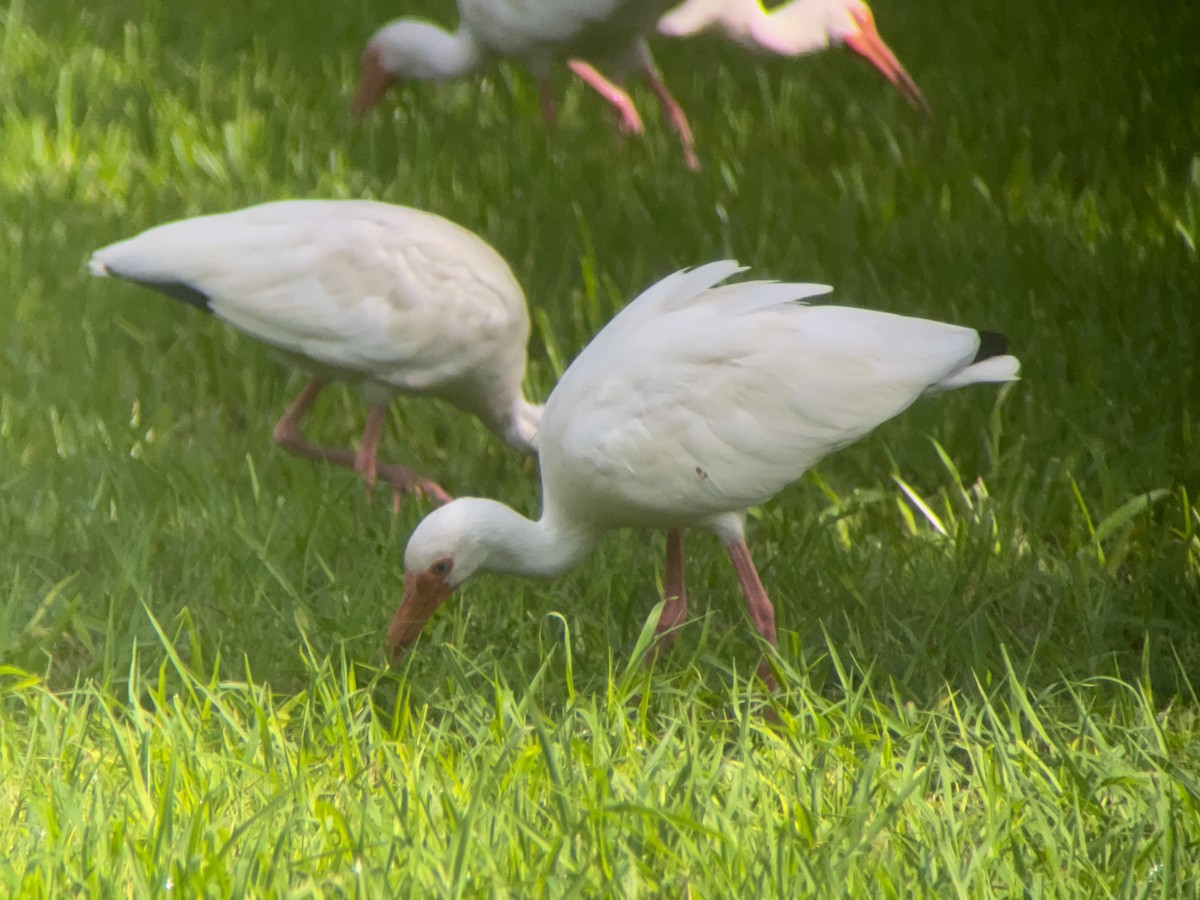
538	33
795	29
390	299
695	402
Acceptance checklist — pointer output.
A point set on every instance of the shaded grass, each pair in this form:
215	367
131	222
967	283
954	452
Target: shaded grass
989	609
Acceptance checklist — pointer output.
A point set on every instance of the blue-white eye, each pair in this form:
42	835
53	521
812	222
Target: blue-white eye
441	567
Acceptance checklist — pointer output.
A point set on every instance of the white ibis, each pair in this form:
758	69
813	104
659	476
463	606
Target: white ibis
697	401
537	33
795	29
390	299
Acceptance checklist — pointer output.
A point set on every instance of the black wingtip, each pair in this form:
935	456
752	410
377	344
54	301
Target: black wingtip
177	290
991	343
184	292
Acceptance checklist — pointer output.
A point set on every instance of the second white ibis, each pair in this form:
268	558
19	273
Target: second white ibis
392	300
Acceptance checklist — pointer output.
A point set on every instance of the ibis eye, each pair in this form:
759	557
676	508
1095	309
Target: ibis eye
441	567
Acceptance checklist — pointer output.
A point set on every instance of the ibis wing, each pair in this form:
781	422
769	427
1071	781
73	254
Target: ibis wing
394	294
715	402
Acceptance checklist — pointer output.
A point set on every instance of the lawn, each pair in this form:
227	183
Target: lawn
989	609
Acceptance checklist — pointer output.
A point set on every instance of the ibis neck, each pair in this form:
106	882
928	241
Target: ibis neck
520	429
515	545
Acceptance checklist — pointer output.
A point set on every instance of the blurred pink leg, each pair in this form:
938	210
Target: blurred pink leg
674	114
630	121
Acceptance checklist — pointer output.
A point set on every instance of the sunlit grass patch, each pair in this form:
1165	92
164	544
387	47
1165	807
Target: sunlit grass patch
186	781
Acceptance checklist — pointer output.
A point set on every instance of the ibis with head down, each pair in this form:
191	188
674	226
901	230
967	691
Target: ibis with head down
697	401
583	34
390	299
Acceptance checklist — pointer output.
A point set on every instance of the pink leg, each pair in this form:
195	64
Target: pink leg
630	121
405	481
674	610
674	113
367	459
289	436
762	614
547	102
402	480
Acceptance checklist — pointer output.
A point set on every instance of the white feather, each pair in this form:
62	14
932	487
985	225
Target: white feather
389	298
700	399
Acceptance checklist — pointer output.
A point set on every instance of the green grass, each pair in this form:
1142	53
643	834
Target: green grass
990	609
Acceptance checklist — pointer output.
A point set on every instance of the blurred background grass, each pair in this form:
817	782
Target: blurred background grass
1054	196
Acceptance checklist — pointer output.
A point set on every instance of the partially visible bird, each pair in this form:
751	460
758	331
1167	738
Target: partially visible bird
795	29
390	299
696	402
538	33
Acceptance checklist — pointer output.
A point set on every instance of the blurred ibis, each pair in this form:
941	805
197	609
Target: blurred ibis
795	29
537	33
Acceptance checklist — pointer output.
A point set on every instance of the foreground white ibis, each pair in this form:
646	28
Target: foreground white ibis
697	401
390	299
795	29
537	33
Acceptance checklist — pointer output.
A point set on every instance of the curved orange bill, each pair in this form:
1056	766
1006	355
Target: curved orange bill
423	594
868	44
373	83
